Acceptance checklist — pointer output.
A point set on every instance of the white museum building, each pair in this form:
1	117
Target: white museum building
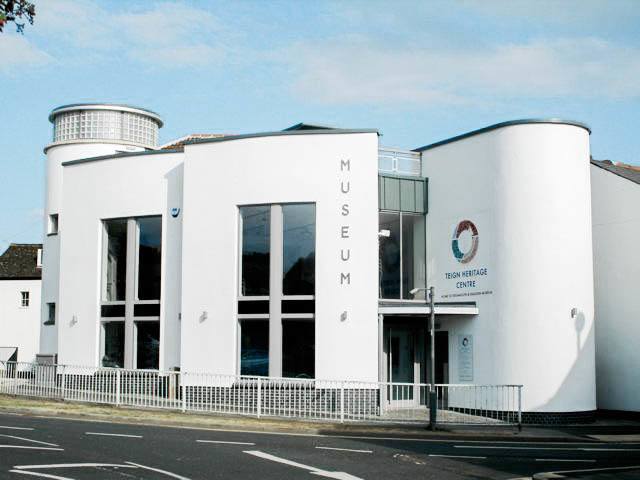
306	253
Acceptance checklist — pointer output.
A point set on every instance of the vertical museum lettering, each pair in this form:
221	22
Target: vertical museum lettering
345	250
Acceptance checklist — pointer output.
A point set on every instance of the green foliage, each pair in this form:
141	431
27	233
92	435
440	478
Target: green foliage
14	11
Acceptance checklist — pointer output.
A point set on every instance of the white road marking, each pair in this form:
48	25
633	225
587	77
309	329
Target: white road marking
345	449
29	447
168	474
561	472
15	428
313	470
563	460
41	475
29	440
223	442
611	449
113	434
70	465
456	456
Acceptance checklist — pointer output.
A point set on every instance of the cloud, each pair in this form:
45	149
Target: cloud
363	71
18	53
172	34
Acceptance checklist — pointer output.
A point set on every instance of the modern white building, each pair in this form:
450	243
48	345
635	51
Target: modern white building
20	291
616	225
305	253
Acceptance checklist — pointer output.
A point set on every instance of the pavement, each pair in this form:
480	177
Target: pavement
63	441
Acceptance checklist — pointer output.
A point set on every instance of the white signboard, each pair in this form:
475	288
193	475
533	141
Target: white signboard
463	256
465	358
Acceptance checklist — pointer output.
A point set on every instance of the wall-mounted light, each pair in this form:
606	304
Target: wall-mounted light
574	312
343	316
74	320
204	316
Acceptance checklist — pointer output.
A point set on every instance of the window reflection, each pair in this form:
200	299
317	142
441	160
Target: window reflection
389	268
116	260
254	347
255	250
149	258
113	344
148	345
299	249
298	348
413	254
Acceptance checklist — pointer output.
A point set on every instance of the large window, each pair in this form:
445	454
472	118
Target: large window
402	260
116	260
255	250
299	249
298	348
254	347
278	249
113	349
131	286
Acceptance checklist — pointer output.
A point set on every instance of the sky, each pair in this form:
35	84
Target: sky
418	71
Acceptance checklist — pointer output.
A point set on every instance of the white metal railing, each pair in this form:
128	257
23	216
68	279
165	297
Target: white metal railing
264	396
399	162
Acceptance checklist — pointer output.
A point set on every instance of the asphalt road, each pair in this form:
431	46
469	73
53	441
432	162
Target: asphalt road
62	449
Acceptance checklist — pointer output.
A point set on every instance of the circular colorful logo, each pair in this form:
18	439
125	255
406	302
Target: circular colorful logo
465	257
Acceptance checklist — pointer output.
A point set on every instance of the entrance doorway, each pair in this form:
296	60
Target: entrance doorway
407	360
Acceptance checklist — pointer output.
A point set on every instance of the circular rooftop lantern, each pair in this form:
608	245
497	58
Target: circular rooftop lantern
102	122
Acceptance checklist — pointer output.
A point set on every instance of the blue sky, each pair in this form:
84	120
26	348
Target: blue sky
418	71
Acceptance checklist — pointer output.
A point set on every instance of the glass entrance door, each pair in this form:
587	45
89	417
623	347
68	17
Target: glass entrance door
401	366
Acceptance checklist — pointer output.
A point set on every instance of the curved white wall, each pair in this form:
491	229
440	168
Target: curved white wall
56	155
527	187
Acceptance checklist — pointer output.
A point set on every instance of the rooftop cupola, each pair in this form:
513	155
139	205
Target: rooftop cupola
105	123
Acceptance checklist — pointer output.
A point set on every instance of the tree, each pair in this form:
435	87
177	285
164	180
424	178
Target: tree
15	10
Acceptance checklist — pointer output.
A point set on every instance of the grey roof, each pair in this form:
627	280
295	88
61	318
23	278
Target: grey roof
624	172
510	123
300	131
307	126
19	262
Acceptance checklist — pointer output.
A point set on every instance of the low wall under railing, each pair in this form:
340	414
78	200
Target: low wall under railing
265	396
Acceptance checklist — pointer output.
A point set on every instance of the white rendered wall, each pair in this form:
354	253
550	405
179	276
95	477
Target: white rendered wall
219	177
20	326
527	189
114	188
56	155
616	228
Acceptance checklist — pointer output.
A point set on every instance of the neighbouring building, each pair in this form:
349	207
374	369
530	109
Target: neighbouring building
306	252
20	290
616	226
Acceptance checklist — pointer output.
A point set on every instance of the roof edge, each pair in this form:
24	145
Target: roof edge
603	166
510	123
279	133
120	155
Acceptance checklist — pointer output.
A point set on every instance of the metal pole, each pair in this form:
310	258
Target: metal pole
433	396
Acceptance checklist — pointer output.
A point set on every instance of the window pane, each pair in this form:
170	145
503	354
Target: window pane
299	249
298	348
148	347
116	261
413	255
255	250
254	347
389	268
149	258
113	344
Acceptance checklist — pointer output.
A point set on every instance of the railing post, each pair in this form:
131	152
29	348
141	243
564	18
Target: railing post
183	392
519	408
259	400
63	381
342	402
117	387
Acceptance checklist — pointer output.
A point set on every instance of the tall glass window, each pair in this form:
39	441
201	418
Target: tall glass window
113	334
402	255
413	254
255	250
148	345
389	267
254	347
298	348
116	260
299	249
149	256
